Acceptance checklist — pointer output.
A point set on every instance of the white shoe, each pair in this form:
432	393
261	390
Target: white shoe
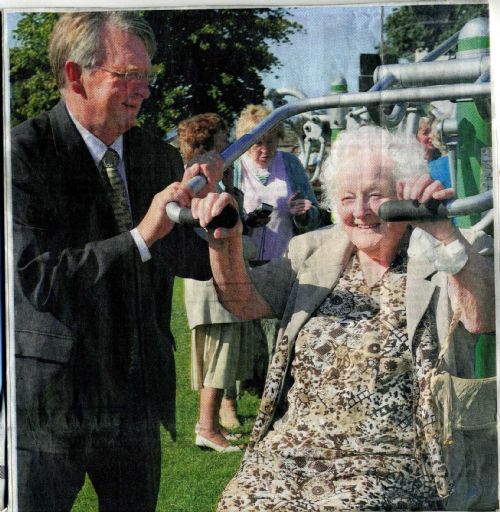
228	435
203	442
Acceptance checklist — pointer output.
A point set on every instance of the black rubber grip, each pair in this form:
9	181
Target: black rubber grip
227	218
411	209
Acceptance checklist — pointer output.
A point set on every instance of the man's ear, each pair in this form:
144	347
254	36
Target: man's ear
73	73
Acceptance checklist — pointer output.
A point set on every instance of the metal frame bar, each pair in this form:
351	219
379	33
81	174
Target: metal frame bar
413	94
436	72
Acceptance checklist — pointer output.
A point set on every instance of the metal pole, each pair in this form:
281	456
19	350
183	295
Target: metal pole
398	112
474	133
434	73
414	94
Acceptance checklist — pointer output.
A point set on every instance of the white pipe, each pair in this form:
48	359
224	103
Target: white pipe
436	72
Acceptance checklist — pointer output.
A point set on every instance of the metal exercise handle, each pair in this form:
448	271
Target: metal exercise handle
226	219
414	94
411	209
433	210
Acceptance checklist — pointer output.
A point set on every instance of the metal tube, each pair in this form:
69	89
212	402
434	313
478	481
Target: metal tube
433	73
414	94
412	120
284	91
442	48
472	204
452	162
486	221
317	169
383	83
407	210
399	110
448	128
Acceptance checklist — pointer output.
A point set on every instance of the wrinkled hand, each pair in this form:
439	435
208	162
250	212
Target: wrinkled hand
210	165
298	205
205	209
423	188
155	224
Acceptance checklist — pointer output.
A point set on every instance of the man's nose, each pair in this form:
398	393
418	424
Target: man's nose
141	87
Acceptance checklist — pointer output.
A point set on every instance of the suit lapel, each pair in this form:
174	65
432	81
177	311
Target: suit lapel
139	183
70	147
79	175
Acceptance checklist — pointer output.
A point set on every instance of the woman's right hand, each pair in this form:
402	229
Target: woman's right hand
205	209
423	188
298	205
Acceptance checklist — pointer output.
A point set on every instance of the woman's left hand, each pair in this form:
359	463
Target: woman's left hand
423	188
298	205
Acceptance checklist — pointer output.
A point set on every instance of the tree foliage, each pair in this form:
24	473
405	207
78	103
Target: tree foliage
32	85
208	60
421	27
211	59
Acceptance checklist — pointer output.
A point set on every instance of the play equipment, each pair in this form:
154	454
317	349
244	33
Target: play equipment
395	100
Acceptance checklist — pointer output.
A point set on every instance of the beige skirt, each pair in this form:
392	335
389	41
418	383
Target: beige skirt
222	354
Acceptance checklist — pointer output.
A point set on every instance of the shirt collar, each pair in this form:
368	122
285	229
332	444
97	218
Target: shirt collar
96	147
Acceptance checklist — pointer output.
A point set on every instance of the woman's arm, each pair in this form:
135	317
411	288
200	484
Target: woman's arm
472	288
232	282
470	271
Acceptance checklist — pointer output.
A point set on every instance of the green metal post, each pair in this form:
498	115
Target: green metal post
473	155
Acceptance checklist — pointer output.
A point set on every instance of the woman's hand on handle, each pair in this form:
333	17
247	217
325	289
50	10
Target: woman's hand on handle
207	208
423	188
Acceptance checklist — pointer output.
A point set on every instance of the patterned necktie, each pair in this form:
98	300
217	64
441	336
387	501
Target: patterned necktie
117	194
116	190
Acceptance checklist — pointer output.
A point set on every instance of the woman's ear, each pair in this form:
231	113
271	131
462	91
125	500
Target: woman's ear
73	73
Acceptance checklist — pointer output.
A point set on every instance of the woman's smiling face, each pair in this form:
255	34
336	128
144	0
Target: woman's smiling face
363	185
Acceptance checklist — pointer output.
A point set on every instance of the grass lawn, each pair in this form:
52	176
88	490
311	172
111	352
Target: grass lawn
191	479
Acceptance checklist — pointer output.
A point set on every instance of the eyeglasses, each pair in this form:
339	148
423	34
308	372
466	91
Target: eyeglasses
132	76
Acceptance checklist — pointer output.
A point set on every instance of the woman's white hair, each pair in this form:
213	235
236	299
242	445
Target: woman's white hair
403	154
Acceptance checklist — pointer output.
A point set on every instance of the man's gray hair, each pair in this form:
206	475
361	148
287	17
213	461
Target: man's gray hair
403	154
76	37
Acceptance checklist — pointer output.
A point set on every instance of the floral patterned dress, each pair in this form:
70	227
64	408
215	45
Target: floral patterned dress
359	431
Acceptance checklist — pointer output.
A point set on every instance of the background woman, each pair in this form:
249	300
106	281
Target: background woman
347	421
438	163
220	353
266	175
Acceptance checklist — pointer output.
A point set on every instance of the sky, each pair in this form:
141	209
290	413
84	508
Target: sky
328	48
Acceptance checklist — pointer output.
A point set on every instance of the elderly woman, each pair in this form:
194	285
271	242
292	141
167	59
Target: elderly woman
266	175
346	421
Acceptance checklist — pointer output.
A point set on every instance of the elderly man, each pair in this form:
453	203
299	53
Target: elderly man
94	260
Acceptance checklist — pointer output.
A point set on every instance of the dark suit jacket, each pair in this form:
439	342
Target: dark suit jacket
83	297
